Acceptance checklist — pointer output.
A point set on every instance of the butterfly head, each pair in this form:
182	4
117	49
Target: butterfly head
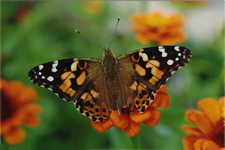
108	53
109	60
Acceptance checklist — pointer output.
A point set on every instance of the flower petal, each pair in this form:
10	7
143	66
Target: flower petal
199	119
205	144
121	121
133	128
98	126
222	105
139	118
161	27
107	124
15	136
162	100
154	119
162	88
30	113
192	130
208	144
210	107
188	142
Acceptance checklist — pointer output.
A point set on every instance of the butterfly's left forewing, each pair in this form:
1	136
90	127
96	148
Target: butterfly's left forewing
66	78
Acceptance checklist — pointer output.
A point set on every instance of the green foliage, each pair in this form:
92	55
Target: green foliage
48	33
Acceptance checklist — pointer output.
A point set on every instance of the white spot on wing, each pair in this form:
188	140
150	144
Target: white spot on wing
179	54
161	49
177	59
170	62
50	78
164	54
54	70
41	67
177	48
55	63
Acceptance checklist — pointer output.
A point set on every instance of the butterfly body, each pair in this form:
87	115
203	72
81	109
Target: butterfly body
122	83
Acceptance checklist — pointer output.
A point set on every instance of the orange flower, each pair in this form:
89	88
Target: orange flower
131	121
22	14
17	109
191	3
94	8
158	27
210	121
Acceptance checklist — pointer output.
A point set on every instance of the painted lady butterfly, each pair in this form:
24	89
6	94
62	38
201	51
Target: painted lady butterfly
115	83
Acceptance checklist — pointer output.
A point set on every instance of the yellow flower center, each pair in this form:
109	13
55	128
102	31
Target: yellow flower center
157	20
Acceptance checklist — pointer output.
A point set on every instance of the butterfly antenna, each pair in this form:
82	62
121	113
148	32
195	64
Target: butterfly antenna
114	31
89	39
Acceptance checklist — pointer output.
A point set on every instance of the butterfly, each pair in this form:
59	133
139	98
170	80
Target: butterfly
122	83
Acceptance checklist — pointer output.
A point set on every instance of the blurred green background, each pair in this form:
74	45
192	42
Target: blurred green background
47	33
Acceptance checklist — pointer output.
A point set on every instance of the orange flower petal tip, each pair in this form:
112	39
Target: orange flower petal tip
107	124
120	121
15	137
132	129
163	88
154	119
192	130
206	144
211	108
139	118
98	126
162	100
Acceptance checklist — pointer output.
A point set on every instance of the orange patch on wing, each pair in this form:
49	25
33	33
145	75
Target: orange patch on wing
94	93
65	75
67	83
154	62
84	67
133	59
84	95
153	80
82	77
134	86
155	71
141	71
71	92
